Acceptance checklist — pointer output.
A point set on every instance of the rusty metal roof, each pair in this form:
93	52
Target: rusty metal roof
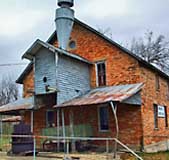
12	119
100	95
21	104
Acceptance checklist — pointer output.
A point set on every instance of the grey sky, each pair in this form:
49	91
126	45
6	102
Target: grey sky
23	21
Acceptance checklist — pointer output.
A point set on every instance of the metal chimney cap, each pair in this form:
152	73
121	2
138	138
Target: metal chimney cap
66	3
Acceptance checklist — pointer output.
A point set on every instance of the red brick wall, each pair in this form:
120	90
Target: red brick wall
120	67
129	117
28	84
151	96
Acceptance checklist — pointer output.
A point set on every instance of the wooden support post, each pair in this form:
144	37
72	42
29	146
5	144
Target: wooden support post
114	109
107	146
32	121
72	131
34	148
58	129
63	128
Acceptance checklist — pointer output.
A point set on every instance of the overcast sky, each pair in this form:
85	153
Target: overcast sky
23	21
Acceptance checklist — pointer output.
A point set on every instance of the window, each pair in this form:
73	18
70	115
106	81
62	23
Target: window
50	118
72	44
155	116
103	118
166	117
168	90
157	81
101	73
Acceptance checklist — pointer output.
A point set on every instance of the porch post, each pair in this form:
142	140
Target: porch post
1	125
72	131
114	109
63	127
32	120
58	129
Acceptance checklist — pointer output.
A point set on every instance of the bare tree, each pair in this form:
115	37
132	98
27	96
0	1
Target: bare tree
8	90
106	31
153	50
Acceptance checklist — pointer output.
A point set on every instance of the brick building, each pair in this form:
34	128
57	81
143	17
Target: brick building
86	82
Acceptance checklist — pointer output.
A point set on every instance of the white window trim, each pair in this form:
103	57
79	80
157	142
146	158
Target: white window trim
96	70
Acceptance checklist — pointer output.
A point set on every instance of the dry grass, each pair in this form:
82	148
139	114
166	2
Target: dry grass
54	156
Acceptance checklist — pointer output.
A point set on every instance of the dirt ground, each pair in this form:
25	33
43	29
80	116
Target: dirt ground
52	156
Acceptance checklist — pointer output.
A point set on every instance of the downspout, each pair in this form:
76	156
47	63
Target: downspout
114	109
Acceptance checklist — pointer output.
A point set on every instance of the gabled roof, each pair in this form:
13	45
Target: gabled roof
31	52
119	93
142	61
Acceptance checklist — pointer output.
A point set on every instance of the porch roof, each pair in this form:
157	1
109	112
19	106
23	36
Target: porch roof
21	104
119	93
12	119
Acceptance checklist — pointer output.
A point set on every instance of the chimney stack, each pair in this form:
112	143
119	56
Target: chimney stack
64	22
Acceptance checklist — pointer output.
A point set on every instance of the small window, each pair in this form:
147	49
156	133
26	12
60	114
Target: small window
101	73
168	90
103	118
155	116
157	82
72	44
166	117
50	118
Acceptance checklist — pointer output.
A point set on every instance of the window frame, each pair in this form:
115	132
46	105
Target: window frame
97	73
155	111
47	124
157	82
99	118
167	95
166	117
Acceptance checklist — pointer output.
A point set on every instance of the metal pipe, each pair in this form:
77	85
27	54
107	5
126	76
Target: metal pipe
34	148
1	132
114	109
58	129
32	119
63	127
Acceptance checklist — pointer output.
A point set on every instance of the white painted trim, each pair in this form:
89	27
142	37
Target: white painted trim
96	70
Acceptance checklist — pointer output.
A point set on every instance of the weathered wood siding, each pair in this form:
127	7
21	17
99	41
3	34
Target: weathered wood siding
73	78
45	66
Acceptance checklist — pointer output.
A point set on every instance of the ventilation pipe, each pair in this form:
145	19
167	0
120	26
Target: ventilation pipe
64	22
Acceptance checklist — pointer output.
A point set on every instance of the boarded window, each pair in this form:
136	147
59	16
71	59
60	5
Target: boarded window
103	118
157	82
166	117
50	118
155	116
101	73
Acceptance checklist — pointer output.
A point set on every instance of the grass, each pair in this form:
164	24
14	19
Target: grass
148	156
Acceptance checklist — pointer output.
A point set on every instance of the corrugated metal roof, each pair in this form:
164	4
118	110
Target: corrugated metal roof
21	104
12	119
105	94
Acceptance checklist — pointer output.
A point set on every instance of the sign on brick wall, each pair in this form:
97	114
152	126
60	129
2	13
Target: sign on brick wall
161	111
